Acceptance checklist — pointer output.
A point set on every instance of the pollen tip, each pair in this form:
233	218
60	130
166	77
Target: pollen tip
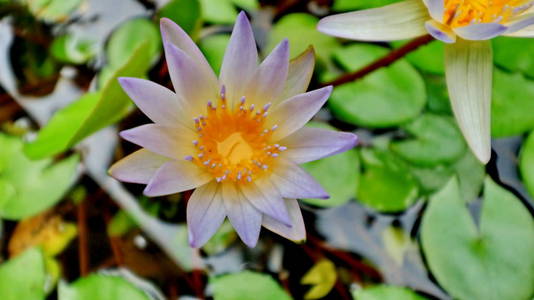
189	158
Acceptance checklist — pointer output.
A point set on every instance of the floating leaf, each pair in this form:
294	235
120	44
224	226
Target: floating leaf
52	10
100	287
213	48
224	11
220	241
386	184
429	58
338	174
71	49
349	5
28	187
514	54
489	259
92	112
46	230
322	276
186	13
512	105
300	30
387	97
436	140
23	277
386	292
246	285
526	163
437	94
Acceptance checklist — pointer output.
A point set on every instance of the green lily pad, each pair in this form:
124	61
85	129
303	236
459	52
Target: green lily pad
514	54
220	241
70	49
24	277
429	58
186	13
338	174
28	187
349	5
512	105
437	94
92	112
300	30
225	11
526	163
100	287
436	140
386	184
213	48
246	285
52	10
490	259
386	292
387	97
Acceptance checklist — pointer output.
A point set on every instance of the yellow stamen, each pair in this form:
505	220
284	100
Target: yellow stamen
465	12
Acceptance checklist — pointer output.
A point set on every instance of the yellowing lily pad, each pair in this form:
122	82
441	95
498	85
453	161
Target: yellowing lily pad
322	276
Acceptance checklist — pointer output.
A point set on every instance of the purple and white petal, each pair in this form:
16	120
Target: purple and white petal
159	103
176	176
266	198
205	213
173	142
173	34
240	59
293	182
268	82
520	22
527	32
398	21
468	69
440	32
297	232
189	82
435	8
480	31
309	144
138	167
295	112
299	74
243	216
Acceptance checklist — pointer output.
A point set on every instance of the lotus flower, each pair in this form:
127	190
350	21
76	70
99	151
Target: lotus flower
465	25
237	139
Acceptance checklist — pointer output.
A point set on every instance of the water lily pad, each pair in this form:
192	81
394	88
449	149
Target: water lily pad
386	184
52	10
100	287
186	13
213	48
322	276
225	11
71	49
28	187
436	139
429	58
246	285
514	54
23	277
526	163
488	259
386	292
387	97
300	30
512	105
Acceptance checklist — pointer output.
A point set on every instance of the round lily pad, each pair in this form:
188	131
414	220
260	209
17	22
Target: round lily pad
386	292
526	163
514	54
247	285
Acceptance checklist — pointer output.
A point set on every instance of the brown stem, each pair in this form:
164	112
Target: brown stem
115	242
83	250
385	61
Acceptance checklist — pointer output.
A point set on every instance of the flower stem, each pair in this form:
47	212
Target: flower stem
385	61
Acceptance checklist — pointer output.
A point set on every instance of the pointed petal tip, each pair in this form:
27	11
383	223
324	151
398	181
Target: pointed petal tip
251	243
483	155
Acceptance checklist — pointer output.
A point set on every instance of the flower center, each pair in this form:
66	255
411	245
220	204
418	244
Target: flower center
460	13
233	143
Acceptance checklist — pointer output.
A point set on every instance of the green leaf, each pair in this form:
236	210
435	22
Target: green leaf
220	241
322	276
23	277
387	97
386	292
70	49
100	287
28	187
121	224
52	10
246	285
491	260
429	58
300	30
526	163
386	184
436	140
213	47
130	36
338	174
437	94
90	113
512	105
186	13
224	11
514	54
349	5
